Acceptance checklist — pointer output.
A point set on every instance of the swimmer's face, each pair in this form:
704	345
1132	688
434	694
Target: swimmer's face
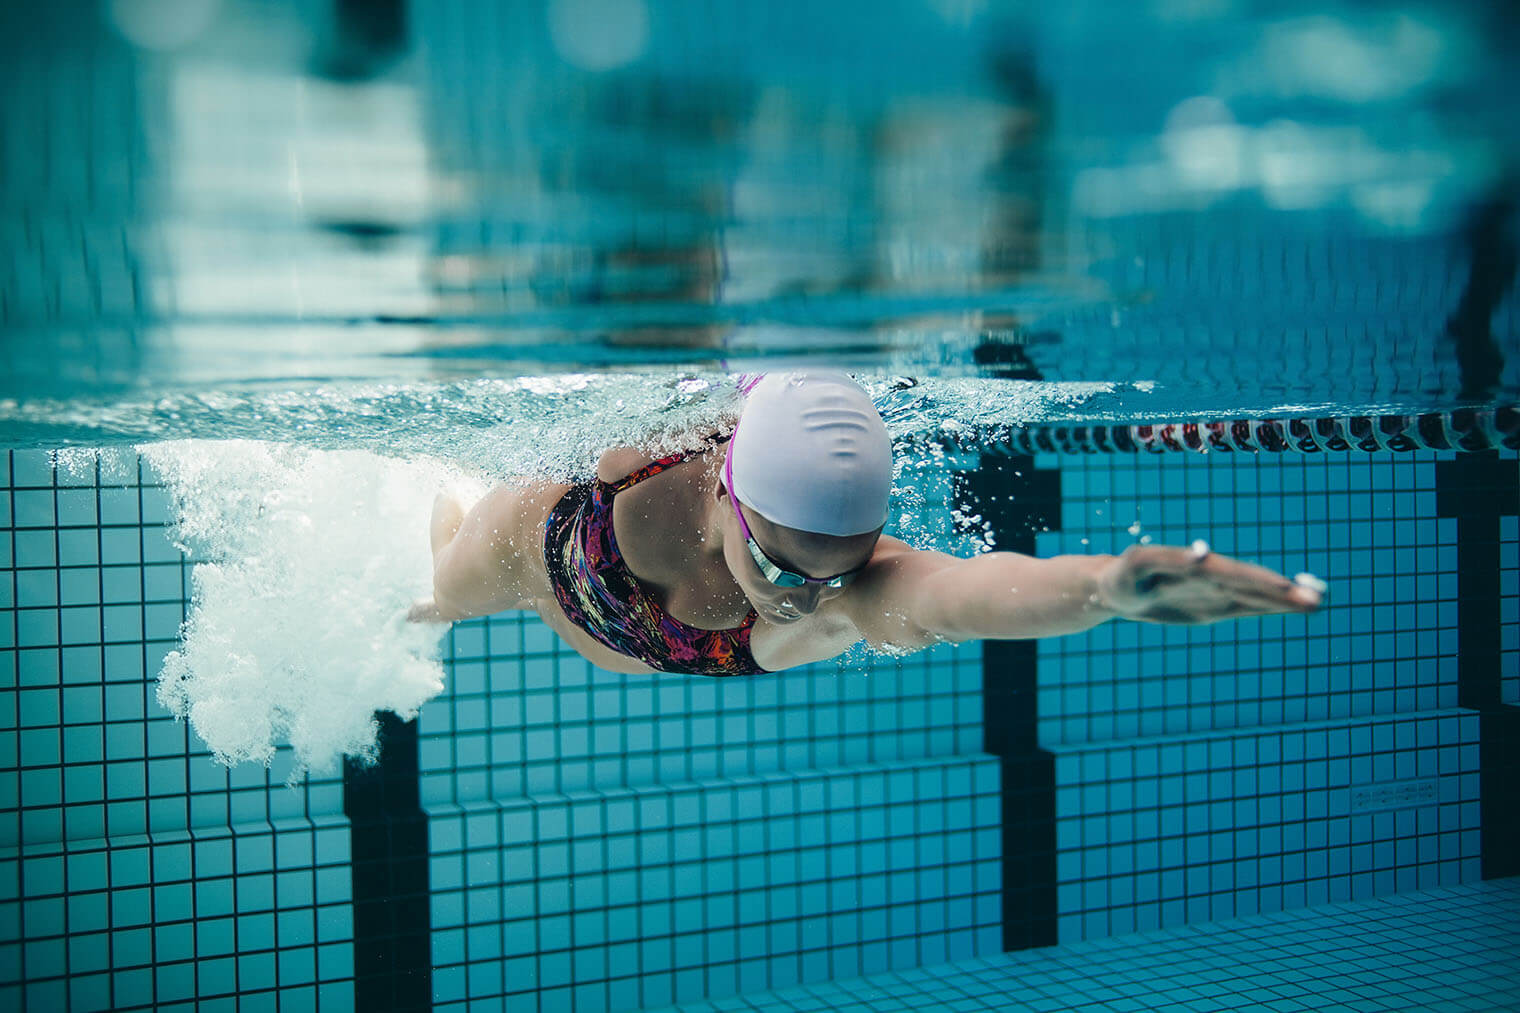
804	552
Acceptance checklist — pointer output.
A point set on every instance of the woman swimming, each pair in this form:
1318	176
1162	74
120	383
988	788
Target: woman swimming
764	551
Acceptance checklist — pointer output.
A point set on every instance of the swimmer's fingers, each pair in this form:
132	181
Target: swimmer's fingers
1169	584
1152	567
1260	588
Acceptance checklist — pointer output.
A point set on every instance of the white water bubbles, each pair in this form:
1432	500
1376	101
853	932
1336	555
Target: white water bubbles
307	561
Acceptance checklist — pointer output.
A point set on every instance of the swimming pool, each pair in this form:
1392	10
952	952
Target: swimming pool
273	282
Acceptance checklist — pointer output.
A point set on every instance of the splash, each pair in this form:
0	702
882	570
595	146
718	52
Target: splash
307	563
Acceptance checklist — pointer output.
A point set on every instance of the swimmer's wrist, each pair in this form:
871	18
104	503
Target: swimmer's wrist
1105	573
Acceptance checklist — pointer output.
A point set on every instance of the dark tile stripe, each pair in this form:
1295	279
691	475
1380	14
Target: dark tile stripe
1478	489
392	914
1018	501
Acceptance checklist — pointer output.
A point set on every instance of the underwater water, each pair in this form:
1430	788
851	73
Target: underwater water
276	272
293	222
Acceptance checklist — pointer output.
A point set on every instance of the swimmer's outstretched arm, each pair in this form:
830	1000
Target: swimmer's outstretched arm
911	599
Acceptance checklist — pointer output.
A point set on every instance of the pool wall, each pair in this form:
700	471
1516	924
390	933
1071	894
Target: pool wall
1277	762
548	836
137	872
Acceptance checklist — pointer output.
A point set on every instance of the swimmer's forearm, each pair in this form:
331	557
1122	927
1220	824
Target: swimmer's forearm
917	598
462	589
474	558
1009	596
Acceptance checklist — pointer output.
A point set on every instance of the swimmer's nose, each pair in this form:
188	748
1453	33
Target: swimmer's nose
805	599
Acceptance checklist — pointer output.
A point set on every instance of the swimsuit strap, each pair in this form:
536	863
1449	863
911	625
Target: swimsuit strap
649	470
654	468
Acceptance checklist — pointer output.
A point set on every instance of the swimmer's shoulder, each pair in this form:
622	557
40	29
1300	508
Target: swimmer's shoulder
892	558
618	463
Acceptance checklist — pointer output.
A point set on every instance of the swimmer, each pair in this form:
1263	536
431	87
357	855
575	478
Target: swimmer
764	551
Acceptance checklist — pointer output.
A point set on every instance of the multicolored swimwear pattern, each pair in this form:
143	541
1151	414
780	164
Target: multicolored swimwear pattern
599	594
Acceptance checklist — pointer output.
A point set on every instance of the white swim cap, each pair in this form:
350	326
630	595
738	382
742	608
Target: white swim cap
812	453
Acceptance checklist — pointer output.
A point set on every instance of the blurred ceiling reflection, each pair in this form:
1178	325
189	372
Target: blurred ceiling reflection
450	189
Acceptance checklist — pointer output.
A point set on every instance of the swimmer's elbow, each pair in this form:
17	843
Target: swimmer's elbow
466	600
462	591
913	625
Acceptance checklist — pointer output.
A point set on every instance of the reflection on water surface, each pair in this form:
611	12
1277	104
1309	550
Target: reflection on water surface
1246	211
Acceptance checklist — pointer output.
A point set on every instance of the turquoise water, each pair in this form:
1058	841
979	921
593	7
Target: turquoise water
276	272
1308	211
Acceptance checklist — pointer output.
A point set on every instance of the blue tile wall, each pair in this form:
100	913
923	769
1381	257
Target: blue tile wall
1360	955
1208	772
523	714
874	844
624	842
1366	523
627	898
135	872
1155	833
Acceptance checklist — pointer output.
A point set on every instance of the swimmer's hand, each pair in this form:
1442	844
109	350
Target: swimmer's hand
426	611
1191	586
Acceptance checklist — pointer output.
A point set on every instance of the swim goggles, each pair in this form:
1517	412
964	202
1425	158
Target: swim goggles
778	575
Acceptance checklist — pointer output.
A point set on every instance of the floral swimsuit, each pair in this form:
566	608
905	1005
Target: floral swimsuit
599	594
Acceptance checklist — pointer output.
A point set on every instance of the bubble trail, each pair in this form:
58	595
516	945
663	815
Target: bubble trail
306	563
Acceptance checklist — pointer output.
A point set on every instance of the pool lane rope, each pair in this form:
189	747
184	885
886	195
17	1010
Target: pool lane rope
1464	430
